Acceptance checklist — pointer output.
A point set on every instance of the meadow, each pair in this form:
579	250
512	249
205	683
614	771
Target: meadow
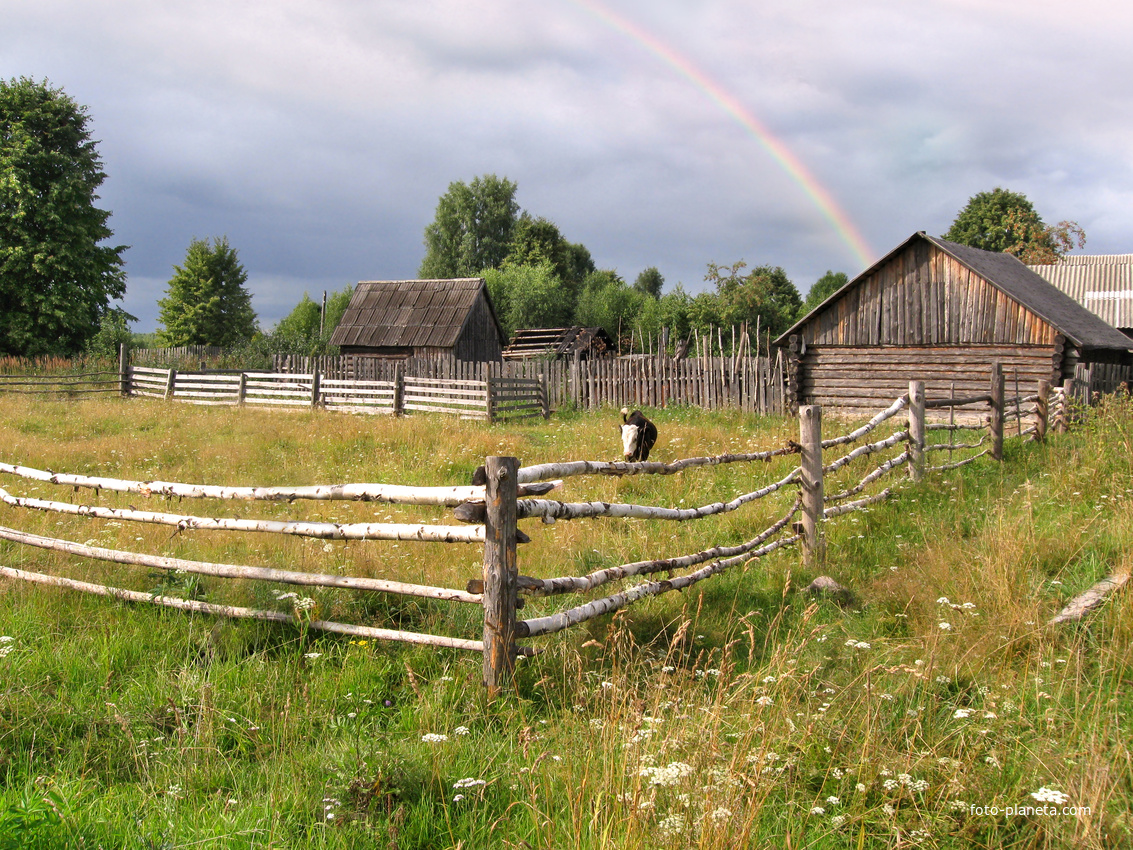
939	711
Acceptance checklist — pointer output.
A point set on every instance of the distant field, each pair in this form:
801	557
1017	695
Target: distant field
739	713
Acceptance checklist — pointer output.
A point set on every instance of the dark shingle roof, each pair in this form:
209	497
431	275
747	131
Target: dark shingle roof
408	313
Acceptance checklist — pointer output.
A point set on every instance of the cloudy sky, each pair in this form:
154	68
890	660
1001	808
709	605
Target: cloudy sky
317	135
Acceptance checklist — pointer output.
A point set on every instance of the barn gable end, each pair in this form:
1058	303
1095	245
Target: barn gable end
940	312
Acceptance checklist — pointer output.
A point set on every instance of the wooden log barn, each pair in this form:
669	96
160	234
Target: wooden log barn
943	313
398	319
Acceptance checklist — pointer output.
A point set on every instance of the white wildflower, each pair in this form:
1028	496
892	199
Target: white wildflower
1049	795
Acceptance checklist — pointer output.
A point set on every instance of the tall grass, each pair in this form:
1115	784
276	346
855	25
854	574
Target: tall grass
741	713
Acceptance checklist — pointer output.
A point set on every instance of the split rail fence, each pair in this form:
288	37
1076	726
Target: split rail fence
489	513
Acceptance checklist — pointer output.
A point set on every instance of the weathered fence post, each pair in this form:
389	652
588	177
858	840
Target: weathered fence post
810	438
1067	403
123	369
398	391
1042	411
242	390
916	430
170	384
995	426
316	384
501	572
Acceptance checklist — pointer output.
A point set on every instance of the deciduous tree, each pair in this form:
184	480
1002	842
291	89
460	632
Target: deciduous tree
57	278
472	229
822	289
1001	220
765	293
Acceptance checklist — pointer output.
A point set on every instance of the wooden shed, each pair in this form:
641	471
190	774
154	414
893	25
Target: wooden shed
419	318
560	343
944	313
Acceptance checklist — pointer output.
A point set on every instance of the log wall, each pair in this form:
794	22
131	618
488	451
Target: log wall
863	377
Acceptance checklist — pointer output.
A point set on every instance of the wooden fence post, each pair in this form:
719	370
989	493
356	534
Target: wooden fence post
1067	402
1042	411
995	426
810	438
398	391
501	572
916	430
316	385
170	384
242	391
123	369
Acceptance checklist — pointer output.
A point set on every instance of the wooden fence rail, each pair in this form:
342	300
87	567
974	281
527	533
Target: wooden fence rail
492	400
510	493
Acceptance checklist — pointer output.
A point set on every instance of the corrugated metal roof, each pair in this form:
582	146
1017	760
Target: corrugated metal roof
402	313
1102	283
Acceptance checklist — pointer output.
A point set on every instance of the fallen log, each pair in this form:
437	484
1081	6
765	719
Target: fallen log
1085	602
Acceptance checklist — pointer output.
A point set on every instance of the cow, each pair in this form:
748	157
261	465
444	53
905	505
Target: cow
638	435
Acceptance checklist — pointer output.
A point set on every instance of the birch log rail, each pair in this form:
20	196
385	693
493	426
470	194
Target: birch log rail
236	571
581	584
549	509
388	493
544	471
244	613
320	530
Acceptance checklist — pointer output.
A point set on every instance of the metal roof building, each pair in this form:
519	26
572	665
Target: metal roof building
1102	283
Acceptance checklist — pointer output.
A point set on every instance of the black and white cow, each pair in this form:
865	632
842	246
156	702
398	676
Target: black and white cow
638	435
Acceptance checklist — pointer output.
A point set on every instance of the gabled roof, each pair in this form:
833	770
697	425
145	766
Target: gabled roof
1102	283
410	313
1009	275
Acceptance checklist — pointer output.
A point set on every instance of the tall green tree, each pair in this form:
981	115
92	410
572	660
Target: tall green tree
528	296
765	293
57	279
650	282
1001	220
822	289
207	303
306	330
472	229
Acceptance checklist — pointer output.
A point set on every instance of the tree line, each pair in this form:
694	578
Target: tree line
60	277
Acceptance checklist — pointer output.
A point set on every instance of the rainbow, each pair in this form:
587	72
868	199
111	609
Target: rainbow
818	194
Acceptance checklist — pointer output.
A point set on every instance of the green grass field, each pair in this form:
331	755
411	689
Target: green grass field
940	711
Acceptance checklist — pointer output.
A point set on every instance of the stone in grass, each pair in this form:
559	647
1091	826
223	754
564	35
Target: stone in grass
826	587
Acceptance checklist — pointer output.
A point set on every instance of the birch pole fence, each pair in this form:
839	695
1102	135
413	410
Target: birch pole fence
506	493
